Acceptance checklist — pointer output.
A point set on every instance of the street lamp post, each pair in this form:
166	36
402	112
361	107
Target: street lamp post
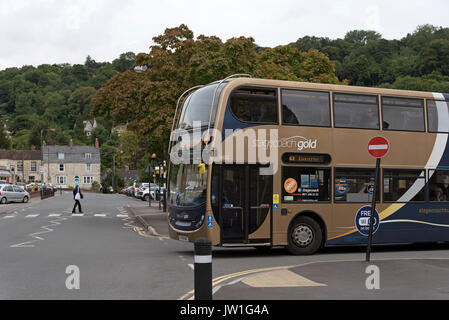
48	155
113	172
153	158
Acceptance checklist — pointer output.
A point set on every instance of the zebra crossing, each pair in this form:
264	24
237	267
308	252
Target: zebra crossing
122	213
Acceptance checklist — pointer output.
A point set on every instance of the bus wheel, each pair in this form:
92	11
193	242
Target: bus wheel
304	236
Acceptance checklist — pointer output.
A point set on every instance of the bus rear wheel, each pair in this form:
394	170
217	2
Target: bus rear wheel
304	236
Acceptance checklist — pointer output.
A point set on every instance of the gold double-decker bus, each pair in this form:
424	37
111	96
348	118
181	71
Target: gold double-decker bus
268	163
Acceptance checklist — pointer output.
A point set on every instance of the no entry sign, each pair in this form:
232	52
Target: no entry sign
378	147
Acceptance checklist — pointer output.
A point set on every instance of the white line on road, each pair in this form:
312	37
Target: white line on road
122	216
100	215
55	215
30	244
32	216
77	214
8	217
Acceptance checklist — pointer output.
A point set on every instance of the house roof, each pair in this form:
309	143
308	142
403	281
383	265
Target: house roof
20	155
74	154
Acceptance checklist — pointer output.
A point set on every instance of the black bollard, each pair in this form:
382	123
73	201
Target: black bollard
203	269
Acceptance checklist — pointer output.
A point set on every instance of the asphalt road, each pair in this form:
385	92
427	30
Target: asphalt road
39	240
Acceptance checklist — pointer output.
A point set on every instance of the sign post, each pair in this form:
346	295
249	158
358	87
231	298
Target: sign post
378	147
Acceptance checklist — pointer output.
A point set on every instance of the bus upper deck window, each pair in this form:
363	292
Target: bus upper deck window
403	114
256	106
306	108
432	116
356	111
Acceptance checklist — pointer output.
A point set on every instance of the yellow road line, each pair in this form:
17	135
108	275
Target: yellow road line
142	233
220	279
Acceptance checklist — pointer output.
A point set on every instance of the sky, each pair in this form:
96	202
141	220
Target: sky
35	32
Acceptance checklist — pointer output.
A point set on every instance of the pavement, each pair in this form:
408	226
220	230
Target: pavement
153	219
354	279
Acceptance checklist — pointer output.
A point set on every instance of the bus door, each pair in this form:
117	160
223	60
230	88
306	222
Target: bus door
246	205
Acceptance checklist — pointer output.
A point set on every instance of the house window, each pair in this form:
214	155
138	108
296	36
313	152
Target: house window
88	155
88	180
33	166
31	178
61	180
88	167
20	166
61	167
61	156
88	133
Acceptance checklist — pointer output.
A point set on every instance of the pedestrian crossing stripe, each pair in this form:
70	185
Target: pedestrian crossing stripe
32	216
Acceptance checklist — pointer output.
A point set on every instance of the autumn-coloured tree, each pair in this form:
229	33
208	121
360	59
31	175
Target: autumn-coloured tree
178	61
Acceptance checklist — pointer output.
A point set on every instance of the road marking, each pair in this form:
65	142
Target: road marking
8	217
32	216
100	215
279	278
77	214
30	244
122	216
55	215
191	266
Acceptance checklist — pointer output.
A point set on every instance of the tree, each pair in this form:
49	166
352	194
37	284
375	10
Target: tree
124	62
178	61
5	142
362	36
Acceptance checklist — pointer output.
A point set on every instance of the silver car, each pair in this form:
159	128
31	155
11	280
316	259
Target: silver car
10	193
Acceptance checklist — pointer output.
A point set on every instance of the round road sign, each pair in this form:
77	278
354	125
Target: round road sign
378	147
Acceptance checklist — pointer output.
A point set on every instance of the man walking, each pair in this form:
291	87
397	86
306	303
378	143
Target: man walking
77	195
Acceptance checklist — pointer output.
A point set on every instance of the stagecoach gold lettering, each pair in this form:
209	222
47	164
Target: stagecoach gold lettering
299	143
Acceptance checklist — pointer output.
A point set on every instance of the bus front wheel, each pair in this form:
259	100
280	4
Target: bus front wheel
304	236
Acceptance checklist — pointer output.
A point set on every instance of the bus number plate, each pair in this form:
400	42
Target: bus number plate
183	238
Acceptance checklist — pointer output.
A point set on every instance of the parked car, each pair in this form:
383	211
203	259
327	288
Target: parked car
13	193
3	182
137	185
21	184
128	191
152	193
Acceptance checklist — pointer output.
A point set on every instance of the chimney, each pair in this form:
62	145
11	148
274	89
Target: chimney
96	143
71	143
33	148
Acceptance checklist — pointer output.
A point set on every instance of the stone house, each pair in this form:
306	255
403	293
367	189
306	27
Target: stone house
63	163
20	165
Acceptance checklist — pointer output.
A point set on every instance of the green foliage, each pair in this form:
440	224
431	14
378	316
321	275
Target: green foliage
364	58
178	61
5	142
